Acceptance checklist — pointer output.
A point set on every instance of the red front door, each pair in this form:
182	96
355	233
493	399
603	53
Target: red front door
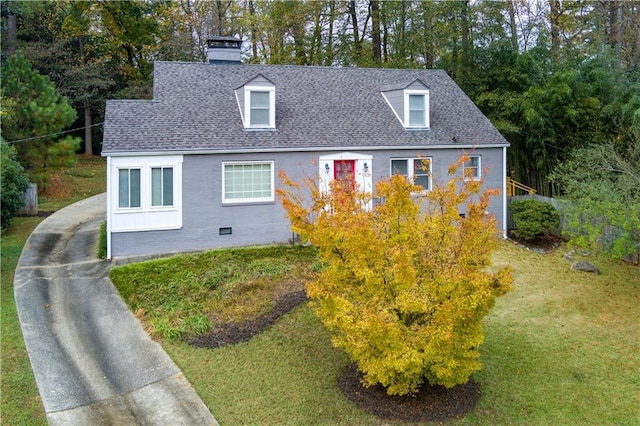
344	172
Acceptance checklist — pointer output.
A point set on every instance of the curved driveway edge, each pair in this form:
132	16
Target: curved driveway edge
92	360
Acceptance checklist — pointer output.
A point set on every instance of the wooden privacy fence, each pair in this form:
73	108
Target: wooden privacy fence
608	235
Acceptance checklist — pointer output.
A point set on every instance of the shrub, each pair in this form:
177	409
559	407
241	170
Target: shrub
102	241
405	285
533	218
14	183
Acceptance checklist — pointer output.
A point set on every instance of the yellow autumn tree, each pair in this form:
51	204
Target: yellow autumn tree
406	283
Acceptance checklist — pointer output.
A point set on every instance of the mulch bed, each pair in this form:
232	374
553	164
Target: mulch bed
543	244
431	403
39	214
236	332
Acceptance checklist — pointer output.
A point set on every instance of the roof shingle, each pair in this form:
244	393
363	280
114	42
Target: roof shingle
194	109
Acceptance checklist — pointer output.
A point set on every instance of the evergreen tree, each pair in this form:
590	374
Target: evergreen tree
38	112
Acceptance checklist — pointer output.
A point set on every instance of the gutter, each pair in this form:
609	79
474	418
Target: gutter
309	149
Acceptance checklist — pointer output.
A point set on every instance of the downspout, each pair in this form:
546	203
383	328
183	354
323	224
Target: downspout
504	192
109	207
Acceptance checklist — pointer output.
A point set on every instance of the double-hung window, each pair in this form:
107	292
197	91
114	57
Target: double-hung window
260	107
418	170
471	168
150	185
129	188
161	186
244	182
416	109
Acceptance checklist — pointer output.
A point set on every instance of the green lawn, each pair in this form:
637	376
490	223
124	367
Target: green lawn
562	348
86	179
185	295
19	400
19	397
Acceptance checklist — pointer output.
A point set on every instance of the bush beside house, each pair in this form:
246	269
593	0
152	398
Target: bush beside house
533	218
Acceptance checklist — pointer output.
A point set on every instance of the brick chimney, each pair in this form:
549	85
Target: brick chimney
223	50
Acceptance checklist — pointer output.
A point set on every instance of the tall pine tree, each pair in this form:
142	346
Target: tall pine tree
37	111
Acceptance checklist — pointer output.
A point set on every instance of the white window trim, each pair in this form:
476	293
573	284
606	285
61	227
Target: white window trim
411	171
464	168
425	93
150	187
117	204
269	199
145	188
247	106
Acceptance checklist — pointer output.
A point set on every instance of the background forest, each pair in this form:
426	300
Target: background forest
556	77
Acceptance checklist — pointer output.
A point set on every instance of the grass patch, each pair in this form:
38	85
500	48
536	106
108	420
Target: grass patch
86	179
560	349
186	295
20	402
102	241
285	376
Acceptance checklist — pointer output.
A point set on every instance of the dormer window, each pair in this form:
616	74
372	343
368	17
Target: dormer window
416	109
409	103
257	103
259	109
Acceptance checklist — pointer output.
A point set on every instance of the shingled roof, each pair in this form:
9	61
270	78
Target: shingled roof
194	109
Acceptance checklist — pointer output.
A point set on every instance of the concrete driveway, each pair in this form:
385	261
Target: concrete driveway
93	362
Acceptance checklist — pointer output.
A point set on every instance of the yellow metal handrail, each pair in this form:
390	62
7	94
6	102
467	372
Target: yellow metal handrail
512	185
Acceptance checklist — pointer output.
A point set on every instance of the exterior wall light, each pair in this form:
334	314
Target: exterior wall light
366	168
326	167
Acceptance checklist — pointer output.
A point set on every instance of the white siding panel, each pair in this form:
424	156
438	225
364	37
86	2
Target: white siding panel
146	217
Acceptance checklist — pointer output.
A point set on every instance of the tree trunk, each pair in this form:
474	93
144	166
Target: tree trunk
634	56
221	11
427	35
254	30
329	53
88	138
297	29
375	31
512	26
466	40
554	21
401	41
11	34
615	30
385	41
356	34
315	53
